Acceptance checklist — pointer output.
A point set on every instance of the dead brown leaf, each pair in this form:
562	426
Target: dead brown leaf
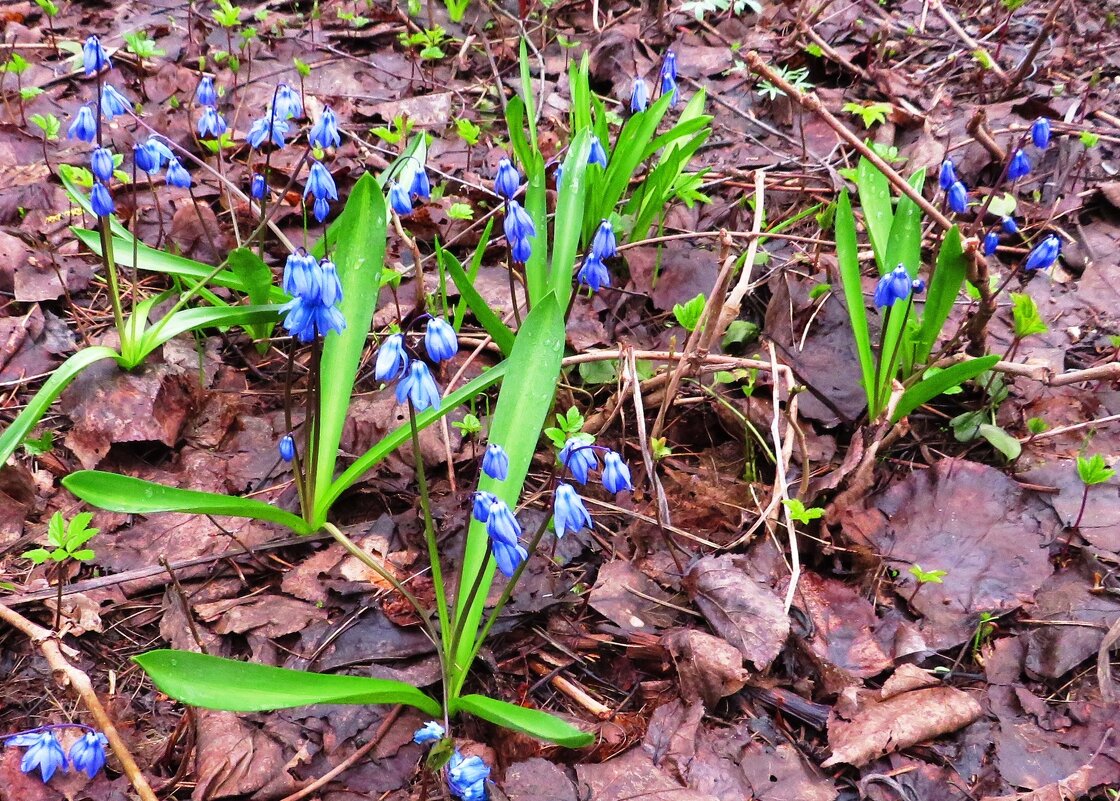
538	779
709	668
844	623
233	756
625	596
633	777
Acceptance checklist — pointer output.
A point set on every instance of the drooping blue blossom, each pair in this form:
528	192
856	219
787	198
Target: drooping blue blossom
101	164
288	102
418	184
257	187
519	229
1020	166
507	180
568	511
146	157
44	753
206	94
324	133
604	245
83	127
440	340
100	200
399	200
87	755
1009	225
669	77
320	183
991	242
94	58
321	208
113	103
597	154
509	558
287	447
177	174
211	123
1040	133
480	507
958	197
391	359
316	292
578	458
616	473
301	276
593	273
1044	254
501	525
162	151
892	287
419	387
918	286
558	176
947	176
430	732
639	96
269	128
495	462
466	776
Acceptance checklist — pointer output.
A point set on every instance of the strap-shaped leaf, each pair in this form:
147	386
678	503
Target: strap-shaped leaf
530	721
937	383
847	255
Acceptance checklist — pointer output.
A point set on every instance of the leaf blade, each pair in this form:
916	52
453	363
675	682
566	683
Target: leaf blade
533	722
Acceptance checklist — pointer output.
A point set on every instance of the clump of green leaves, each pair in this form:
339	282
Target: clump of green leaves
688	314
399	128
142	46
568	425
467	131
869	113
469	425
799	512
927	576
428	41
797	77
49	124
1025	317
225	14
66	539
456	9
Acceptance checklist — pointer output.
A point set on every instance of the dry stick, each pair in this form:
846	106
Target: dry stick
734	303
969	42
1028	59
781	488
52	649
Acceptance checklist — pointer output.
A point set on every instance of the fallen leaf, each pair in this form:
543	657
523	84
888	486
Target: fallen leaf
626	597
233	757
632	777
709	668
1080	617
538	779
843	630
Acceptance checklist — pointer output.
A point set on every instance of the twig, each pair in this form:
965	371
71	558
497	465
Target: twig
971	43
1036	45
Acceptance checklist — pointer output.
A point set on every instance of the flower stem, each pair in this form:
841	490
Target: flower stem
429	528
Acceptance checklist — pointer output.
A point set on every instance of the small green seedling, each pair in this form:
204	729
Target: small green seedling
688	314
927	576
659	447
567	426
66	540
1091	471
469	425
800	513
870	113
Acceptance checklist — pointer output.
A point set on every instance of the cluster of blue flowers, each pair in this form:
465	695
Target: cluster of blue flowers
44	750
316	294
466	776
896	286
579	458
1019	167
518	225
593	273
501	524
411	183
666	80
211	122
414	380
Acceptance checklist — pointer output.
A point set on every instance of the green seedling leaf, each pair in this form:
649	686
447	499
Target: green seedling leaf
1003	205
1025	317
469	425
1094	470
929	388
927	576
40	445
1036	426
688	314
256	277
48	124
528	721
798	512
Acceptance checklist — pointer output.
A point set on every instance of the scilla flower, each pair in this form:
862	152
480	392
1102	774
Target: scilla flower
604	245
892	287
177	175
593	274
419	387
421	188
597	154
430	732
616	474
44	753
83	127
399	200
300	275
94	58
113	103
519	229
146	157
507	181
501	525
578	457
101	164
391	359
669	77
480	507
162	151
269	128
509	558
206	94
320	185
991	242
1020	166
257	187
1044	254
568	511
287	447
211	123
1040	133
324	133
440	340
88	754
100	200
466	776
495	462
958	197
313	309
639	96
558	176
1009	225
948	175
288	102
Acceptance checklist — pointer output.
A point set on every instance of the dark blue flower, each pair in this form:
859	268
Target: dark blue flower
206	94
101	163
1044	254
113	103
948	175
892	287
419	387
94	58
501	525
578	457
440	340
301	276
604	245
391	359
568	511
418	185
268	128
668	77
597	154
288	102
558	176
593	274
991	242
321	208
466	776
1040	133
495	462
44	753
257	187
399	200
616	474
1020	166
162	151
1009	225
480	507
958	197
507	180
211	123
316	293
430	732
101	200
519	229
918	286
87	755
509	558
287	447
639	96
324	133
146	157
320	183
83	126
177	175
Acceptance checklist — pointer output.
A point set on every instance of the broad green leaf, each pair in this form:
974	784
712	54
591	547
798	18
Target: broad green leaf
878	216
1025	318
905	248
847	255
257	279
118	493
569	217
476	263
498	331
944	286
215	683
533	722
208	317
935	385
999	439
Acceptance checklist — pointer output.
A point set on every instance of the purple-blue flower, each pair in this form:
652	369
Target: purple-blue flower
509	558
287	447
87	755
519	229
947	176
94	58
578	457
83	127
604	245
177	174
430	732
597	154
495	462
466	776
162	151
321	208
991	242
440	340
301	276
593	273
419	387
269	128
1044	254
391	359
639	96
316	292
568	511
1040	133
101	164
480	507
892	287
257	187
206	94
507	181
44	753
418	185
399	200
100	200
1009	225
320	183
616	474
958	197
501	525
113	103
211	123
288	102
324	133
1020	166
669	77
146	157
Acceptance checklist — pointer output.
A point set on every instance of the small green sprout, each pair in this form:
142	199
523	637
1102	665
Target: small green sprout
799	512
927	576
1025	317
460	211
567	426
48	124
468	131
660	449
688	314
142	46
469	425
870	113
66	539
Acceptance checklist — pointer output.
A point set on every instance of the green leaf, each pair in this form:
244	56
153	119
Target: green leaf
999	439
1093	470
118	493
37	555
604	372
256	277
37	446
1025	317
944	287
878	216
688	314
929	388
498	331
460	211
568	223
206	317
800	513
533	722
48	124
847	255
215	683
927	576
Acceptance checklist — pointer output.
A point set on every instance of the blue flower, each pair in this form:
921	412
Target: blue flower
616	474
101	163
466	777
320	183
418	185
162	151
501	525
83	127
324	133
301	278
1040	133
509	557
321	208
597	154
892	287
1020	166
287	447
508	181
440	340
206	94
44	752
430	732
146	157
918	286
391	359
639	96
578	457
419	387
948	175
113	103
568	511
94	58
88	753
257	187
399	200
1044	254
669	77
316	290
593	274
558	176
211	123
101	200
991	242
604	245
177	175
495	463
958	197
480	508
267	128
519	228
288	102
1009	225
